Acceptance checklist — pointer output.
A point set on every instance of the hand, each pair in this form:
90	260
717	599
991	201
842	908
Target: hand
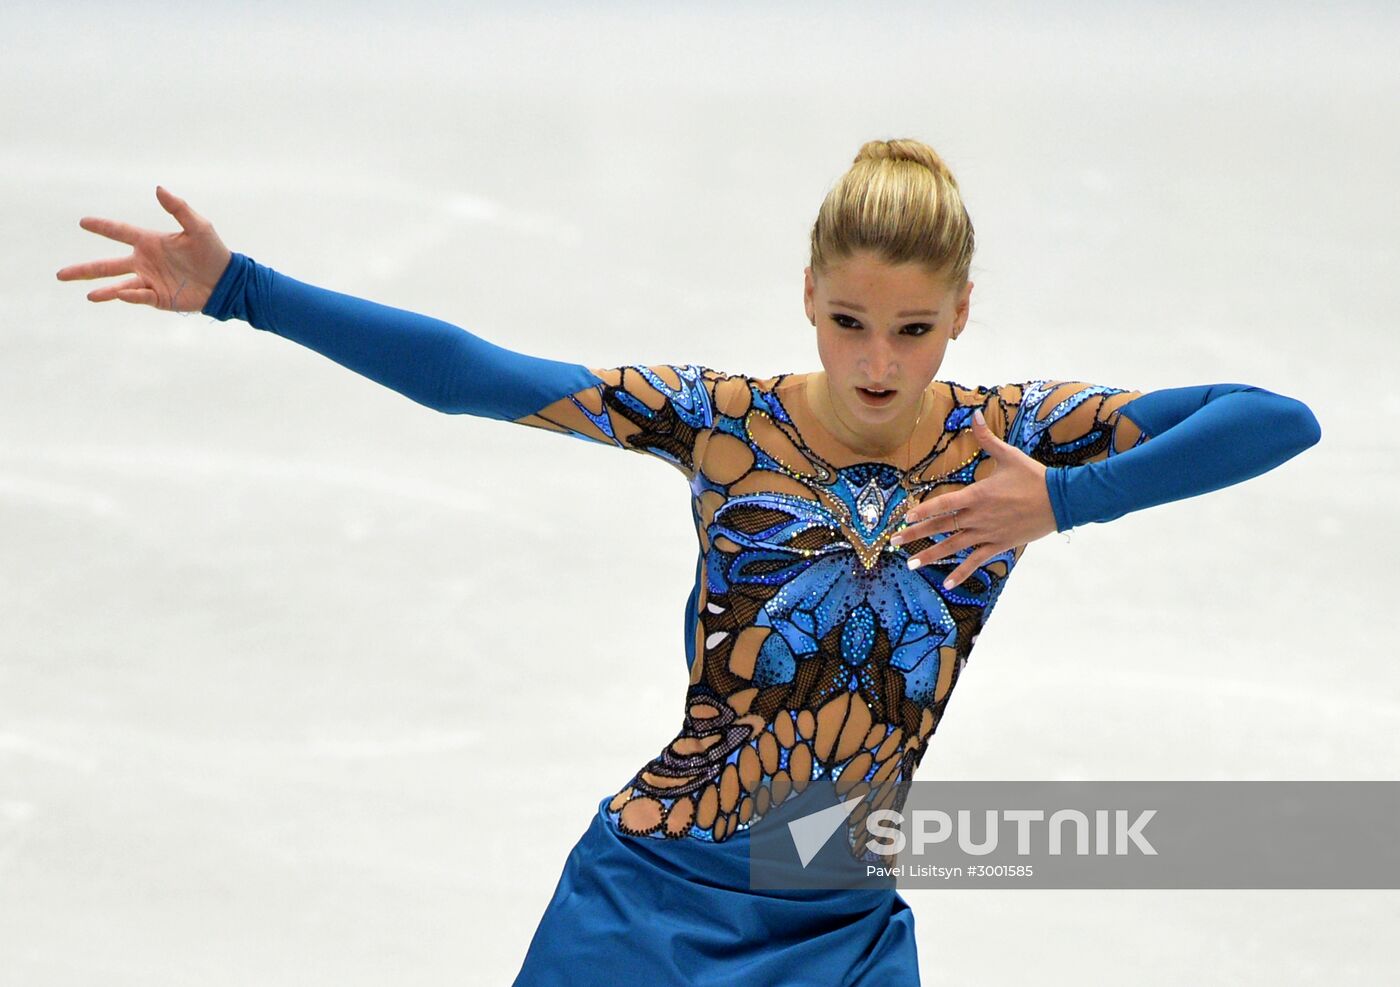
175	272
1009	508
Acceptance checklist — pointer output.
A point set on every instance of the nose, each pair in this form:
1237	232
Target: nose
878	365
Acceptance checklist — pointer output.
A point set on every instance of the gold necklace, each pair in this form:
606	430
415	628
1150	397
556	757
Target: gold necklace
905	482
908	445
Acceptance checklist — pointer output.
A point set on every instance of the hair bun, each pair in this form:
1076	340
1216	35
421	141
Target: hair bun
902	150
900	213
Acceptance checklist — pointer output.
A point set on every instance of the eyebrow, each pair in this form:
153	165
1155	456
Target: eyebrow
858	308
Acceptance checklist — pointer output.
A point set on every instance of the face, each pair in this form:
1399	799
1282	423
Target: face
884	327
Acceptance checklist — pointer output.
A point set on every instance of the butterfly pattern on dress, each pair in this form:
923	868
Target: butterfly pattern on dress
816	651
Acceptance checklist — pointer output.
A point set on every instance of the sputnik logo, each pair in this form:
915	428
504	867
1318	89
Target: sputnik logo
811	832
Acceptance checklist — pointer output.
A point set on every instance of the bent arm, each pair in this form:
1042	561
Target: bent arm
1202	438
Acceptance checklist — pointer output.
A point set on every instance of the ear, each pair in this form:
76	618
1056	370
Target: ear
964	305
809	288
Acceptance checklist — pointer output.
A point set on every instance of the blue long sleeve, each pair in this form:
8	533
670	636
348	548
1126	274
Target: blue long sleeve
430	361
1201	438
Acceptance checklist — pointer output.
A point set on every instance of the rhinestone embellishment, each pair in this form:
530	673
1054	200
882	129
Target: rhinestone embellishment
871	504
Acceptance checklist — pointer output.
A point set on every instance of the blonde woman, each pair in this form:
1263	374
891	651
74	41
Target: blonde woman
856	526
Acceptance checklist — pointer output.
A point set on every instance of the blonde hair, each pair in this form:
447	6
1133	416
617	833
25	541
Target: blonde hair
899	200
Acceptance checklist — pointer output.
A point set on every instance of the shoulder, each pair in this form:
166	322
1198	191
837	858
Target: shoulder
735	393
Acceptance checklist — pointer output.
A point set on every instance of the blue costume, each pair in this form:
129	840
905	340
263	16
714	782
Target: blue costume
814	652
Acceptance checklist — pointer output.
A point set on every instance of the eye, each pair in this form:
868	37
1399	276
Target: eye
923	328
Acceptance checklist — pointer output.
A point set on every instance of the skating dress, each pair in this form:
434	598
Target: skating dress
814	652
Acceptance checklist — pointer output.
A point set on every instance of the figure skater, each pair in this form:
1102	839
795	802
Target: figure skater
856	527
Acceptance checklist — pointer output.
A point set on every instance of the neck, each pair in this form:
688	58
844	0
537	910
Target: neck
865	440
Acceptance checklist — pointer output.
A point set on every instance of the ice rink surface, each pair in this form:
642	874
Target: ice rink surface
304	683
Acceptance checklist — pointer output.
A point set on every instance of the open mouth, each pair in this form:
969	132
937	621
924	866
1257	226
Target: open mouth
875	398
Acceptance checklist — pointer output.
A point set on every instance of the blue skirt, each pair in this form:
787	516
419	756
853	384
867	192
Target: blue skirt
681	912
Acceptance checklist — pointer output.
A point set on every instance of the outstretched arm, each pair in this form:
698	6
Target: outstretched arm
663	410
433	362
